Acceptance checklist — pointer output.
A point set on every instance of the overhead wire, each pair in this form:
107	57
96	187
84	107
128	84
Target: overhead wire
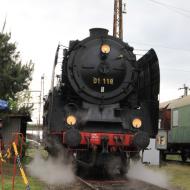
158	46
171	6
175	69
181	11
140	49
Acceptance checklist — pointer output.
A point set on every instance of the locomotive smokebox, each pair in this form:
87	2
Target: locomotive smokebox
72	137
98	32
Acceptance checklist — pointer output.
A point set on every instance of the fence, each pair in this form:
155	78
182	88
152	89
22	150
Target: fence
12	154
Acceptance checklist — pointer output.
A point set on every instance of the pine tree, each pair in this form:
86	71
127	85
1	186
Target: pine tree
15	76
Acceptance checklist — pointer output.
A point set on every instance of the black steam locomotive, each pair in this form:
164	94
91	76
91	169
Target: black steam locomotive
105	106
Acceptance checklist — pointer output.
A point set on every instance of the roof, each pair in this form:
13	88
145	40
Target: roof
176	103
26	117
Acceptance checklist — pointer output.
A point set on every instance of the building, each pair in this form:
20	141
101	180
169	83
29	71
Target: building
12	125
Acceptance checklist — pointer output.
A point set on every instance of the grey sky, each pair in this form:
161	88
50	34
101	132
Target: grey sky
38	25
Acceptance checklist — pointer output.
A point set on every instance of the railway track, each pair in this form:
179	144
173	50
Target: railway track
119	184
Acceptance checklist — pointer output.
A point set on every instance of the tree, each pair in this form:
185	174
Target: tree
15	77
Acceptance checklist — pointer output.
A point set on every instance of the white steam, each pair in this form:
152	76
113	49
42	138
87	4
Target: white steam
51	171
140	172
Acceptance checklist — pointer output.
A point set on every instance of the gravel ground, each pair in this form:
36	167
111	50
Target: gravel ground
73	186
129	185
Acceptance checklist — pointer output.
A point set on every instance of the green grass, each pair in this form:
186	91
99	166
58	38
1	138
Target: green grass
179	174
34	183
19	185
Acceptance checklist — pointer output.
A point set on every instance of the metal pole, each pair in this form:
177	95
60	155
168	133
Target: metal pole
14	173
1	165
40	102
43	77
14	166
118	19
185	88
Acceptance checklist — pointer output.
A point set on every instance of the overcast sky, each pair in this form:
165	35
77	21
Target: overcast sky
39	25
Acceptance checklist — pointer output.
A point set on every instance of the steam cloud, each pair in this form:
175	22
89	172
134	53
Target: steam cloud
53	171
140	172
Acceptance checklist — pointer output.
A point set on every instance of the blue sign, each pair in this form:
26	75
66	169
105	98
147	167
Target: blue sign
3	104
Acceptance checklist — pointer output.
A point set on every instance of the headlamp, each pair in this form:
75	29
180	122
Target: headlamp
71	120
136	123
105	48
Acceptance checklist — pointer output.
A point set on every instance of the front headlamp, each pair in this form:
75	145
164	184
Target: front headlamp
137	123
71	120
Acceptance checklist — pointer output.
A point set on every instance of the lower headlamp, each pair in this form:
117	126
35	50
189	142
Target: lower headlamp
71	120
137	123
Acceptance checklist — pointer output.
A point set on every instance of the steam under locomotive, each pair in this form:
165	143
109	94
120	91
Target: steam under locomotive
105	105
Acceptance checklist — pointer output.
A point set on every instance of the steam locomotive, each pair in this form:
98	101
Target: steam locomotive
105	106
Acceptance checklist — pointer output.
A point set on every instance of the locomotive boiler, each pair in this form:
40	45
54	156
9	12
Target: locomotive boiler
105	105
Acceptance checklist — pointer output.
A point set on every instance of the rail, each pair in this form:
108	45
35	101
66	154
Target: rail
87	184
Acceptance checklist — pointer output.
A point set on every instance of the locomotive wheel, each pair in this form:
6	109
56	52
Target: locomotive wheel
184	156
85	157
52	152
124	168
81	171
117	165
162	156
